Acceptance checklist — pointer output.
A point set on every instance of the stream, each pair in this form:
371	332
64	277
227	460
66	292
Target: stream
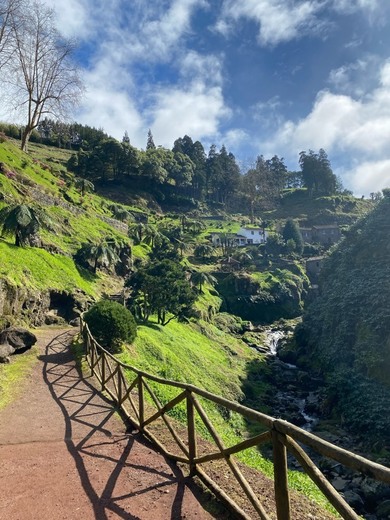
298	397
297	394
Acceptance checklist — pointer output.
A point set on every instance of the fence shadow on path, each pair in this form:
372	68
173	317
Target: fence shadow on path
89	439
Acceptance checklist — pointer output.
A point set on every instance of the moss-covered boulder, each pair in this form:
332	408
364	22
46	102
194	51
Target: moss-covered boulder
266	298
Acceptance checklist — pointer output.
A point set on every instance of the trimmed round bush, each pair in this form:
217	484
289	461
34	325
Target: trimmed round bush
111	324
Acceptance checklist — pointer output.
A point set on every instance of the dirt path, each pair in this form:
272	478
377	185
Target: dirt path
65	455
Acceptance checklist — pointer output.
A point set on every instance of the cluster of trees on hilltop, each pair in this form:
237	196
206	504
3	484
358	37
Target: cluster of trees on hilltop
187	172
72	136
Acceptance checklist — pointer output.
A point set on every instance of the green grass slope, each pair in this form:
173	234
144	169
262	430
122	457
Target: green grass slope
201	354
37	269
41	179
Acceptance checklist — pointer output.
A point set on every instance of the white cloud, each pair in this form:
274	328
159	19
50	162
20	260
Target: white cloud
359	78
196	110
208	67
194	106
352	78
115	116
385	75
367	4
269	113
356	129
160	30
369	176
108	102
148	29
350	6
284	20
278	20
74	17
234	137
340	122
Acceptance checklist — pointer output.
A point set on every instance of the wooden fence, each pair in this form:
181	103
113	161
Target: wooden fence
130	397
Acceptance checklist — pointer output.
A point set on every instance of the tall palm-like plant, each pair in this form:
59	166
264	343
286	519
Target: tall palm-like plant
199	278
153	237
196	226
204	251
141	232
120	213
102	254
84	186
136	232
184	222
22	222
243	257
182	245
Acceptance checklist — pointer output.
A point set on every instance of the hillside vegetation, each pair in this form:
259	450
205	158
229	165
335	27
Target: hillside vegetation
345	333
201	345
29	180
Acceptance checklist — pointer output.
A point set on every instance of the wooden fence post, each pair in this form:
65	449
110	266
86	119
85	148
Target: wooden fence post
92	351
119	375
280	478
191	433
103	358
141	404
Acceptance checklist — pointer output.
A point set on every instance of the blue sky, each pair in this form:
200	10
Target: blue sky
260	76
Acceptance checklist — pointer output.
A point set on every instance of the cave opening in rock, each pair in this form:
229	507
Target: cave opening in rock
63	304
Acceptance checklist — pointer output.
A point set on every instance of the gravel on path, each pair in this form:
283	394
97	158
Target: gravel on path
66	455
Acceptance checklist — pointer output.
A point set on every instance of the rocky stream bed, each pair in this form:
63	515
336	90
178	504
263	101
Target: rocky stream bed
300	399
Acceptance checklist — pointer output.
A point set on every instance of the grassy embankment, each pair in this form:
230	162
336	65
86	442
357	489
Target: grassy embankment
201	354
13	374
70	224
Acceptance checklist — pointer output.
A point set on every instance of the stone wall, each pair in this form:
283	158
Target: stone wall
23	305
49	200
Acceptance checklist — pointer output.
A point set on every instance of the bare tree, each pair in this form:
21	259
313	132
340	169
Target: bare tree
42	76
8	9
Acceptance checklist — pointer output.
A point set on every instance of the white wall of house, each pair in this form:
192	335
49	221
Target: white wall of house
244	237
253	235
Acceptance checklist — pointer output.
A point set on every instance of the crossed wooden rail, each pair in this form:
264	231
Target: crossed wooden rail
130	397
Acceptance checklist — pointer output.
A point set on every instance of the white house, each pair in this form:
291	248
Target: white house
253	235
244	237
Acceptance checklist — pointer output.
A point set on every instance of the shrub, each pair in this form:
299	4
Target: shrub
111	324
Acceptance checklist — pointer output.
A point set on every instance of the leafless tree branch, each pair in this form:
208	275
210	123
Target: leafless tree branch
41	74
7	10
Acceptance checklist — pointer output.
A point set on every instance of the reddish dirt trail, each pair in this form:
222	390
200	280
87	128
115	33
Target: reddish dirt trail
64	454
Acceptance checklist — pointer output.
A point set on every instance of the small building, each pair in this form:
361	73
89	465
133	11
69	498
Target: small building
253	235
244	237
230	264
313	267
325	235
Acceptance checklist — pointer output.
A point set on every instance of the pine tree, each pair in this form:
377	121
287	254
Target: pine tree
150	143
126	138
